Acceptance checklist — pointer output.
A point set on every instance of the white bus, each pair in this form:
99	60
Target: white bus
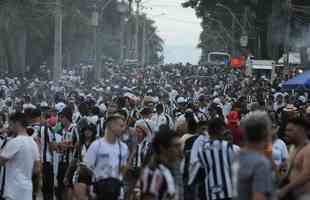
218	58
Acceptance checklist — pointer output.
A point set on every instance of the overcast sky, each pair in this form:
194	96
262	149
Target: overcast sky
179	28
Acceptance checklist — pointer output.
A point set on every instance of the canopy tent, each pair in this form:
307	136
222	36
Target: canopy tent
300	82
294	58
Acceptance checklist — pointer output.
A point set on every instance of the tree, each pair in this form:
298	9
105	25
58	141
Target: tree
17	19
27	33
255	16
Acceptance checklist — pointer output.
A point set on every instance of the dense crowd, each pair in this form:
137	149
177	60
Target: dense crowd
157	133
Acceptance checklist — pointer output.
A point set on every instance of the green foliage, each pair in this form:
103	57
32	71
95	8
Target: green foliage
34	19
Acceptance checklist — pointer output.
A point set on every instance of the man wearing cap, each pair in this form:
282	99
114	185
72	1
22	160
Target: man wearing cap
148	101
181	107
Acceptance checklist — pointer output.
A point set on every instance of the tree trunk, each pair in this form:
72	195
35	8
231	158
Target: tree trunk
21	41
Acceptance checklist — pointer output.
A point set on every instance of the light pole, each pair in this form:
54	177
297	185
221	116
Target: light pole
57	70
95	23
223	27
136	54
288	31
244	37
122	8
145	39
233	15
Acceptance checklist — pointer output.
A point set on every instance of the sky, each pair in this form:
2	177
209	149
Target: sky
178	27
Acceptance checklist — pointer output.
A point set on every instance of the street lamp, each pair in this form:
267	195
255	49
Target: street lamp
244	37
145	39
57	70
95	24
122	8
233	15
136	56
223	27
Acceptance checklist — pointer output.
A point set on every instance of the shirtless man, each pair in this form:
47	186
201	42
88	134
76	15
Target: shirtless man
297	131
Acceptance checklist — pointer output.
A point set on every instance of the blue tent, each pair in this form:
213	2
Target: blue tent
300	82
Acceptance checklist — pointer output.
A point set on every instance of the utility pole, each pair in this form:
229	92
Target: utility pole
288	32
143	43
95	23
147	52
136	54
122	31
122	9
233	36
128	32
57	70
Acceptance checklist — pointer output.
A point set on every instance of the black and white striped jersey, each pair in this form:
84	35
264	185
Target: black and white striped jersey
216	157
157	181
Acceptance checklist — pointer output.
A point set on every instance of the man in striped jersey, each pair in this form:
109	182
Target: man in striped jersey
157	181
215	157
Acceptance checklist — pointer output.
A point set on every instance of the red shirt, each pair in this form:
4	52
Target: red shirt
238	135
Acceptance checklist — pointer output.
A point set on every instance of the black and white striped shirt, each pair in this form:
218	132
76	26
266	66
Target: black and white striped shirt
140	153
157	181
216	157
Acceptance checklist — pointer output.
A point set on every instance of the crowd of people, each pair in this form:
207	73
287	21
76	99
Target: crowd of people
174	132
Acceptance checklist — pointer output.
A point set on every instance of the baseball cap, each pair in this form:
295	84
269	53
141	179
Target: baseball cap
148	99
181	100
67	112
233	117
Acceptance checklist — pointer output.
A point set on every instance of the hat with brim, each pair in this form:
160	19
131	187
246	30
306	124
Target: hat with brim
181	100
290	108
140	124
67	112
148	99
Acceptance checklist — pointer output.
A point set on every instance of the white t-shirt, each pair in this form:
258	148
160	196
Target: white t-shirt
279	152
104	158
22	152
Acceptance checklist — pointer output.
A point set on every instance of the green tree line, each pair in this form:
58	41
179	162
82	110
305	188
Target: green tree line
27	34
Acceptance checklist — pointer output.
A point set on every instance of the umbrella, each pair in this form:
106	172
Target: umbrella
300	82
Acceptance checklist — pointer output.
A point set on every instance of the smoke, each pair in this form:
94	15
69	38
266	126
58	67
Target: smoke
301	39
277	25
300	32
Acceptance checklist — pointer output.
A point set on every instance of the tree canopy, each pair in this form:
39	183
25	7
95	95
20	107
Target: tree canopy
27	33
265	23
